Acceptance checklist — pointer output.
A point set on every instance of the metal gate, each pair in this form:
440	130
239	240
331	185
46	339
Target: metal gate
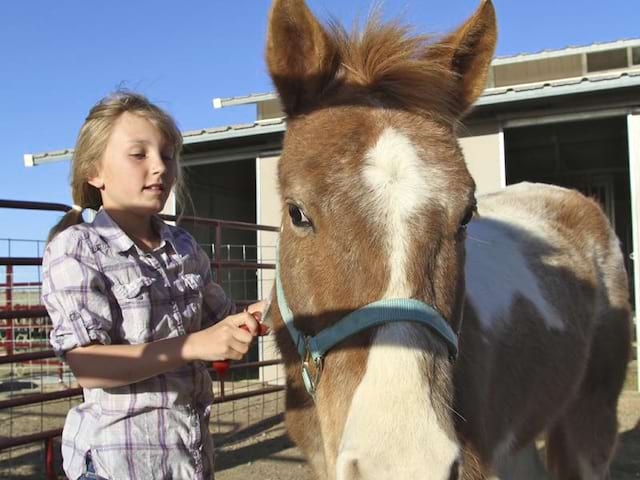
37	389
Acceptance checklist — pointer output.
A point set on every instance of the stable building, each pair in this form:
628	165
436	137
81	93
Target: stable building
570	117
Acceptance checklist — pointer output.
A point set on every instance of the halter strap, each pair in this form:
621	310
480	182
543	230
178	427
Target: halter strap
376	313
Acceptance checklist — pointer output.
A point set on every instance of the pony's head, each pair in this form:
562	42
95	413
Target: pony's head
375	195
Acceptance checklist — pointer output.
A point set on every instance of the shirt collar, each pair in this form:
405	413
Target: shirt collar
108	229
166	234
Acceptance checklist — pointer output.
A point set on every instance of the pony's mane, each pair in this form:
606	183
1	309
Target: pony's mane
388	62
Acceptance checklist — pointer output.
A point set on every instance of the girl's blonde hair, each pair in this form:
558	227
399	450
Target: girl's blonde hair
92	142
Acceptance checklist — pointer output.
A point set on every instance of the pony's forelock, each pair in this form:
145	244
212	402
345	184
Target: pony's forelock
387	63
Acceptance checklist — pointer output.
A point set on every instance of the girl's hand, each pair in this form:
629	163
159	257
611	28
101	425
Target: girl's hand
258	309
223	341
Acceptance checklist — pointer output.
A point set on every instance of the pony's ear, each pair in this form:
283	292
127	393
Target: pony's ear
301	57
467	52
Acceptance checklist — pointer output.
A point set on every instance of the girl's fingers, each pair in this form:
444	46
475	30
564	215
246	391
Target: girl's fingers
252	325
242	334
258	307
240	319
247	322
237	349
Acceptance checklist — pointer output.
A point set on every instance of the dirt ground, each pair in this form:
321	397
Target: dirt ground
271	456
252	443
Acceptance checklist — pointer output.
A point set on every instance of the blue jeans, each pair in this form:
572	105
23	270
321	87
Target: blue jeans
91	471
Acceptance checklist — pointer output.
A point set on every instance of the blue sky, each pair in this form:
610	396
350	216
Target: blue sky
58	58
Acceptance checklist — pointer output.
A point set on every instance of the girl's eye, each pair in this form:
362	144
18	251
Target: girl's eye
298	218
138	155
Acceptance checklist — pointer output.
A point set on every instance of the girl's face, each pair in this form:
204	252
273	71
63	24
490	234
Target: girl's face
138	168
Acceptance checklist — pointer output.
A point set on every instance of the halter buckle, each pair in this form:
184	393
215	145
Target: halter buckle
310	380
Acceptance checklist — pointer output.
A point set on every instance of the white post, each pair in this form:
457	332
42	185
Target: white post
503	158
633	132
268	213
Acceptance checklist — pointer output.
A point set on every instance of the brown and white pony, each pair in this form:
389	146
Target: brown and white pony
378	203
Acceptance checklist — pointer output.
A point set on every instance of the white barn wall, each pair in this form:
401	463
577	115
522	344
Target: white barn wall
481	146
269	109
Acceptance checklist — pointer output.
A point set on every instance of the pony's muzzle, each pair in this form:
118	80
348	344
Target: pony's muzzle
353	466
347	467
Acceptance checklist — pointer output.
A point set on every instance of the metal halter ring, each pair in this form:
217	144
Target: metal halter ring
310	381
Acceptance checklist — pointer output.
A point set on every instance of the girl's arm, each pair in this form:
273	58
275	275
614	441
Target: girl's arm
74	292
106	366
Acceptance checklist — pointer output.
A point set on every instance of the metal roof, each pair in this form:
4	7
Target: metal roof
32	159
243	99
564	86
262	127
565	51
502	60
570	86
491	96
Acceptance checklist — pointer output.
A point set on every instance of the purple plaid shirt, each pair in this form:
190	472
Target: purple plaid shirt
98	286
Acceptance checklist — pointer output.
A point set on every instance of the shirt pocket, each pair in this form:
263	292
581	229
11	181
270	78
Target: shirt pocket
188	288
134	303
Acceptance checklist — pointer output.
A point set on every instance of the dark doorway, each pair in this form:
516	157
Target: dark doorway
225	191
591	156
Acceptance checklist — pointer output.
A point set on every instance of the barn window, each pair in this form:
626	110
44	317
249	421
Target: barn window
607	60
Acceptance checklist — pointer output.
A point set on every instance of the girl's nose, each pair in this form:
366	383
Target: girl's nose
158	165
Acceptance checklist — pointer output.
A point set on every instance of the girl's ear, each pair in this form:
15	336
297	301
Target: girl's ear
96	181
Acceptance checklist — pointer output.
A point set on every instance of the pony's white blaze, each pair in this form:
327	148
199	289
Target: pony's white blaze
401	183
487	241
398	435
391	429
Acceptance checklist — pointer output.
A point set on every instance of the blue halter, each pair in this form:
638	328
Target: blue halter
314	348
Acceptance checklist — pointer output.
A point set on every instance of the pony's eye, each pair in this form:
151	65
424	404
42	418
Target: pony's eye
466	219
468	216
298	218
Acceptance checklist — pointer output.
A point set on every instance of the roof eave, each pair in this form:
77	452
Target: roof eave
244	100
255	129
496	96
491	97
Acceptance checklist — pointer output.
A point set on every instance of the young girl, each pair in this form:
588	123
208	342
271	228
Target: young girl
134	309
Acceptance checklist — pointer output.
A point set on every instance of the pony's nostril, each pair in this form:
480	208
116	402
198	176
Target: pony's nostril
348	468
454	473
353	471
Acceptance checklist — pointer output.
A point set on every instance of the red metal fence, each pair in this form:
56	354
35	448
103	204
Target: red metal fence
36	388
